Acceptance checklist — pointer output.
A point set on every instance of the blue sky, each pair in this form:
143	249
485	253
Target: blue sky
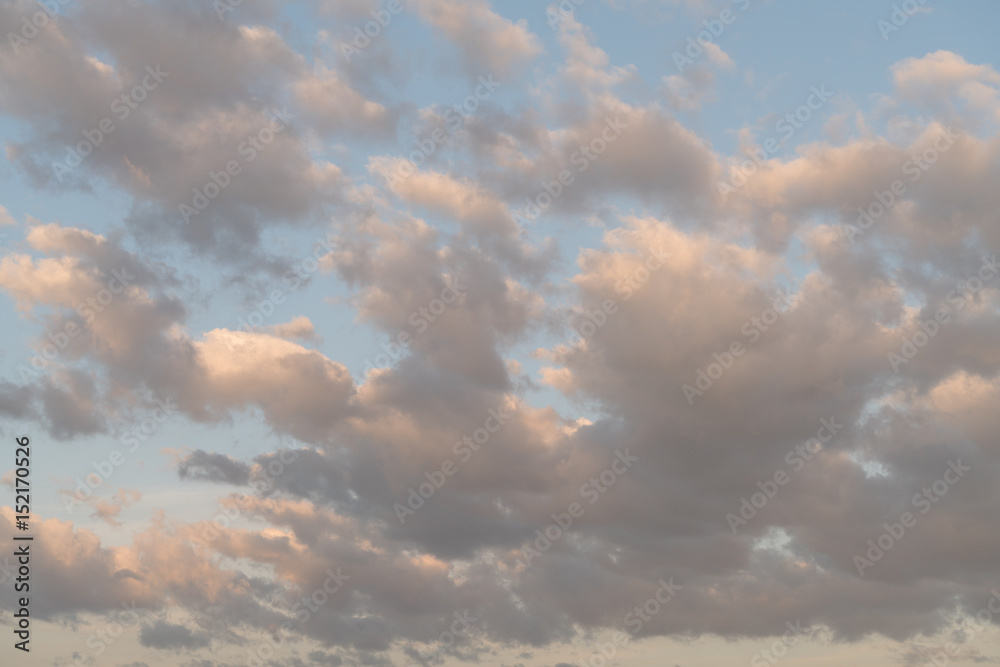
297	381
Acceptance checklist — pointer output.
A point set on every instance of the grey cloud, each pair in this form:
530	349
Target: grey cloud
207	466
213	97
17	401
322	658
67	409
167	636
365	447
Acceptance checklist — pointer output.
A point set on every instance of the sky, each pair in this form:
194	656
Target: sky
445	332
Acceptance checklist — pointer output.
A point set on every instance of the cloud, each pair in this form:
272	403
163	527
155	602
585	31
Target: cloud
166	636
332	105
108	510
6	220
299	328
586	64
439	257
211	467
200	116
489	42
321	658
